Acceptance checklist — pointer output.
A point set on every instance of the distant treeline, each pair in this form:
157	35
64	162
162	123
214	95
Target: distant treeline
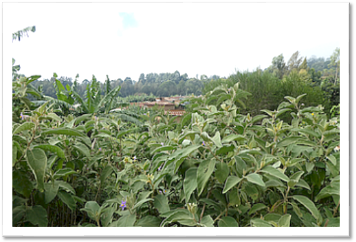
315	71
153	84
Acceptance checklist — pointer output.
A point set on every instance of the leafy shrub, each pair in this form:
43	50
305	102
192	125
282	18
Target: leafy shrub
215	167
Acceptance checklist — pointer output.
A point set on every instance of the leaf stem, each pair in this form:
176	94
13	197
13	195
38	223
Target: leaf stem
202	211
335	210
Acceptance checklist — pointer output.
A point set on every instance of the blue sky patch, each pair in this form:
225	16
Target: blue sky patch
129	20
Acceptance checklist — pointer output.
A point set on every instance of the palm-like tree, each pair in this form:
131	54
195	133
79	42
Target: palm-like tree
93	102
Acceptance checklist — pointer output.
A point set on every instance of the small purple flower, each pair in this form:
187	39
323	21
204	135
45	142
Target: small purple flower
99	149
123	205
144	114
134	158
162	143
159	168
203	143
22	117
160	192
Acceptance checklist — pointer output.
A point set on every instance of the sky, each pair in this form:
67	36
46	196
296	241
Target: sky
124	40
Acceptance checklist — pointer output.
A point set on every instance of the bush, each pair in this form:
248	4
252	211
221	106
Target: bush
213	168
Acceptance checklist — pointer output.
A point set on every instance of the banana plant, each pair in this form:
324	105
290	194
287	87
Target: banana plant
93	102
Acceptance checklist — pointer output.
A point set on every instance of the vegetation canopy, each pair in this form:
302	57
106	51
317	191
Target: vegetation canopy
258	149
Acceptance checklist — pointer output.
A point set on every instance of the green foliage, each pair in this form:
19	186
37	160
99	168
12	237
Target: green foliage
221	169
254	151
20	34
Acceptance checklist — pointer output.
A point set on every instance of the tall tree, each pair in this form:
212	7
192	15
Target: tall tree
142	78
304	65
295	61
279	66
176	77
203	77
335	61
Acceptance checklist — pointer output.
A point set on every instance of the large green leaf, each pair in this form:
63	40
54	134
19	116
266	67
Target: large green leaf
107	216
122	133
23	127
302	183
190	134
66	186
190	182
228	222
281	111
306	131
163	148
21	183
272	217
224	150
175	215
51	190
217	140
274	172
306	202
63	172
17	214
284	221
82	148
149	221
297	99
54	117
106	173
37	215
257	118
294	179
126	221
231	181
256	222
234	198
256	179
79	99
180	155
161	203
222	172
67	199
288	141
108	98
327	192
37	160
204	172
52	148
82	118
256	207
233	137
92	209
335	170
207	221
142	202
